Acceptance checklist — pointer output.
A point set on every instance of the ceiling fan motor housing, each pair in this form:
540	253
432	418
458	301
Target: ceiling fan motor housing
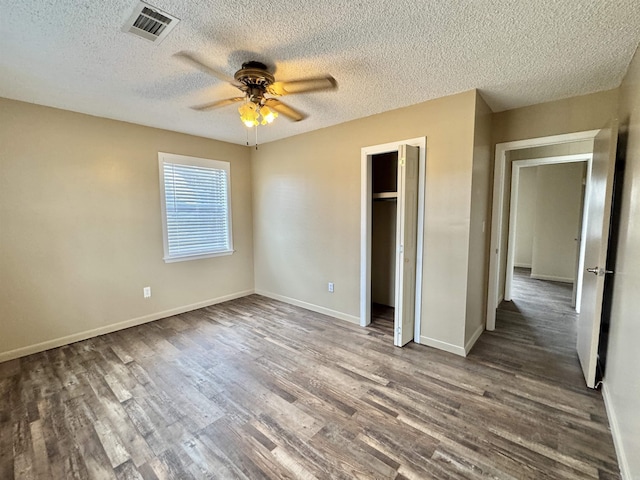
256	78
254	75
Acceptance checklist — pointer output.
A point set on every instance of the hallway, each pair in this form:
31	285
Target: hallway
536	332
534	343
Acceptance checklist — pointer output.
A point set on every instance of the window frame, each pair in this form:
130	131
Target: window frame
172	158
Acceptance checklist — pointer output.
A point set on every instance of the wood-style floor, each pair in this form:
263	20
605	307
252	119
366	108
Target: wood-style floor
255	388
536	331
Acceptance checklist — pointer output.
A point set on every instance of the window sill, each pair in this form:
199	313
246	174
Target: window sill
197	257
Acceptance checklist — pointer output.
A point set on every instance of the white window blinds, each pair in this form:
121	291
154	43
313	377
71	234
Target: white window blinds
196	207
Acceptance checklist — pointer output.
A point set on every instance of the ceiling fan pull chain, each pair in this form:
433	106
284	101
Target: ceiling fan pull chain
256	128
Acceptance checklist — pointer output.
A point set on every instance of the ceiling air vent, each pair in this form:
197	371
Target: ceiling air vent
150	23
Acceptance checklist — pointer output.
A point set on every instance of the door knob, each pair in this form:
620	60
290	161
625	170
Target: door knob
599	271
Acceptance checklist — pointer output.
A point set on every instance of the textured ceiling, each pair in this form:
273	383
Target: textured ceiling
385	54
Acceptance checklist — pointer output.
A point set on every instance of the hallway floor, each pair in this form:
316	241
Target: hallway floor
537	331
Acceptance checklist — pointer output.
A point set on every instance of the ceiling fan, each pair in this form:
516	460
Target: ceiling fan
260	88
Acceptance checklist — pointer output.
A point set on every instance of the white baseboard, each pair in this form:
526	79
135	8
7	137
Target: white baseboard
76	337
311	306
447	347
474	338
615	433
552	278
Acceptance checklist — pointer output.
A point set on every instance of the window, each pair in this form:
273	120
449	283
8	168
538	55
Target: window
196	207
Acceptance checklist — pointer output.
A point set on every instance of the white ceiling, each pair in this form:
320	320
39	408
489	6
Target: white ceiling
388	54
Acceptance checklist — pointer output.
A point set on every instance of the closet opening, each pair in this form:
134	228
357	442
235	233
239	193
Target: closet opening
393	182
384	179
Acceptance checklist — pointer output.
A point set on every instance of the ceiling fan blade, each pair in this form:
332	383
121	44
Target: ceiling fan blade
218	104
189	58
303	85
284	109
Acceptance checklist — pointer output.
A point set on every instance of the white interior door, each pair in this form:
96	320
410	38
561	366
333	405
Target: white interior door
406	243
596	240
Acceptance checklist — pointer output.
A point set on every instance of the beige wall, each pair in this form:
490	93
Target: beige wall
526	220
557	221
81	232
307	211
549	210
622	383
575	114
479	223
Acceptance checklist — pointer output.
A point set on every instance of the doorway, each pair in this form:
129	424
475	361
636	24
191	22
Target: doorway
547	220
392	211
384	221
597	201
500	211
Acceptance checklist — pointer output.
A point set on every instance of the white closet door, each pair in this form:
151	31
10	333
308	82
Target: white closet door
406	243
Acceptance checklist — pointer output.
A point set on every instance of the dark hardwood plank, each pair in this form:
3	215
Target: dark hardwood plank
255	388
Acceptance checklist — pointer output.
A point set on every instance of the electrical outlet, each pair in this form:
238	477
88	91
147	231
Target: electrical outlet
330	287
146	291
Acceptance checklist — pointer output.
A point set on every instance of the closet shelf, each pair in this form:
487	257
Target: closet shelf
383	195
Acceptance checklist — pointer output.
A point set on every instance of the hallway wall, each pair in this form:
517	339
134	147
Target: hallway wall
557	221
526	222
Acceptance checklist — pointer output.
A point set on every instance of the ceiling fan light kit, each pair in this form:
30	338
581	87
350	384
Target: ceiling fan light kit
268	116
255	81
251	112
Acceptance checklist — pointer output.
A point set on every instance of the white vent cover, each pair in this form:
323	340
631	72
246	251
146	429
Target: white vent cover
150	23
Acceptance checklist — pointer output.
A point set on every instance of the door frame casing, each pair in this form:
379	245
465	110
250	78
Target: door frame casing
500	197
366	154
513	215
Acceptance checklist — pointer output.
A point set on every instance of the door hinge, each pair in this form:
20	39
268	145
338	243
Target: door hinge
402	161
